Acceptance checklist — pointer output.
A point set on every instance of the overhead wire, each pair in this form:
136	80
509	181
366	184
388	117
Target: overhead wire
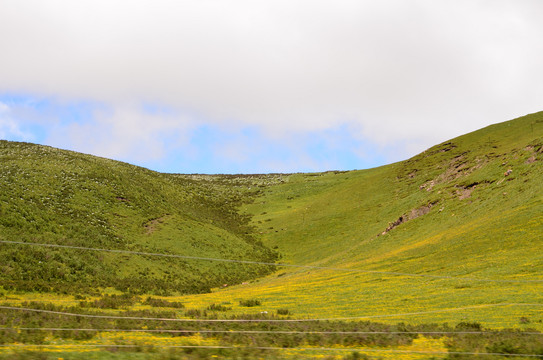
277	320
314	267
260	320
284	332
276	348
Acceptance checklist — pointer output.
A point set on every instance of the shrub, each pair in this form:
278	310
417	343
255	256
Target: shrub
218	307
469	326
111	301
250	302
163	303
194	313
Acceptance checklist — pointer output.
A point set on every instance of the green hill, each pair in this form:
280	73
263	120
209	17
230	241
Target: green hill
53	196
441	250
468	209
476	196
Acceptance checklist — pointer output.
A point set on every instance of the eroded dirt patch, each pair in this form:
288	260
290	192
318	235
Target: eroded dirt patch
459	166
152	225
411	215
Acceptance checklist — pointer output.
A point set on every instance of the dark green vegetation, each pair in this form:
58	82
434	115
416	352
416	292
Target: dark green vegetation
60	197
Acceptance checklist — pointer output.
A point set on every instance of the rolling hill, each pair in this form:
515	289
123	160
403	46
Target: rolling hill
459	225
52	196
453	235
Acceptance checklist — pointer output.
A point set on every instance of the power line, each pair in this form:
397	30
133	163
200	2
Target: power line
261	320
283	332
186	257
271	320
274	348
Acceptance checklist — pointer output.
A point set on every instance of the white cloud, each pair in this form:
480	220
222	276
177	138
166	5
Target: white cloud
9	127
416	72
124	132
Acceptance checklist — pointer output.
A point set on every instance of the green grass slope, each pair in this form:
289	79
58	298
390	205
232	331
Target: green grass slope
470	208
453	234
439	256
456	193
60	197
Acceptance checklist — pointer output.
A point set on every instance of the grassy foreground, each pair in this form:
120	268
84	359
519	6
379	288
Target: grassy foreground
448	241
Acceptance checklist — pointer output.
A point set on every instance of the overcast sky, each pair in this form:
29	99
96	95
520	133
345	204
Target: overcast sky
257	86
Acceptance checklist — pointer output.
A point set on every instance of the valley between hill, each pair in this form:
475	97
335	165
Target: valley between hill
449	240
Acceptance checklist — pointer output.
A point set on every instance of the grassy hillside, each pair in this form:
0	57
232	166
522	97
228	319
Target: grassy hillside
450	240
59	197
462	218
455	193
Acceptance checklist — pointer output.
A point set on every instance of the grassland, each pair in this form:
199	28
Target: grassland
448	240
59	197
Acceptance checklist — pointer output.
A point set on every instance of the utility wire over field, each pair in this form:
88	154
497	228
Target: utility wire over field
186	257
232	331
438	255
266	320
371	350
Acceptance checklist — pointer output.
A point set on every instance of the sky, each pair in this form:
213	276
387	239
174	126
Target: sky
260	86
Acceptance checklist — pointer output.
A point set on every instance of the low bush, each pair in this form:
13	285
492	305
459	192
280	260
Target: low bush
218	307
250	302
111	301
154	302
